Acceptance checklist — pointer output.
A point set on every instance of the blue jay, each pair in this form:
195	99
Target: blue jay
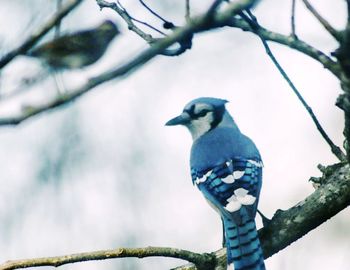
226	167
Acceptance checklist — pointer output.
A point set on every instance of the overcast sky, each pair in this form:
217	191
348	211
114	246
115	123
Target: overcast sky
104	172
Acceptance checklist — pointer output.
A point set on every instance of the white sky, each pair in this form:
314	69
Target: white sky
104	172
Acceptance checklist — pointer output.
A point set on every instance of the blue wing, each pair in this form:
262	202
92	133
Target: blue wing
233	188
235	183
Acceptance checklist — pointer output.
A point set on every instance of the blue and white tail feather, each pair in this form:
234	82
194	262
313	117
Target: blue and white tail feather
226	167
232	189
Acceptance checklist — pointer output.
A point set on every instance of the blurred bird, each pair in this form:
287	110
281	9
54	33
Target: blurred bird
226	167
77	50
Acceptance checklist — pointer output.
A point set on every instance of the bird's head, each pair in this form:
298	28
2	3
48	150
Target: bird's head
108	28
201	115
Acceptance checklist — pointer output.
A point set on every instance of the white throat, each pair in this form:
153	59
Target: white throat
200	126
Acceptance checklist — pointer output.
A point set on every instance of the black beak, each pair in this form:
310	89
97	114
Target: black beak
182	119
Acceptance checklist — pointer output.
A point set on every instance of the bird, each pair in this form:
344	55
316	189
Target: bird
76	50
226	166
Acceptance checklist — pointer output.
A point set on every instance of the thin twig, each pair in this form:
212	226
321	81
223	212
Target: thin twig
323	21
148	25
184	44
127	18
155	13
187	10
289	41
58	25
139	21
34	37
334	148
198	259
196	25
292	20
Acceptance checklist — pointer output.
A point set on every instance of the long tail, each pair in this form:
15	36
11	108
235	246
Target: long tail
243	246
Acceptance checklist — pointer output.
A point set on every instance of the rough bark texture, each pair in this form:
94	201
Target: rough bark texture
332	196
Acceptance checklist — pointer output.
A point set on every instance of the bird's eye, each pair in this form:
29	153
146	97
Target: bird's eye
202	113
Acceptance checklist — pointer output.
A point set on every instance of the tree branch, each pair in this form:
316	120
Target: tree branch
170	24
58	25
184	44
202	261
127	18
343	101
287	226
292	20
252	21
196	25
332	196
187	10
337	35
34	37
293	43
325	202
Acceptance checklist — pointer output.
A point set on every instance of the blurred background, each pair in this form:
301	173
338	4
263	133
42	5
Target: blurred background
104	172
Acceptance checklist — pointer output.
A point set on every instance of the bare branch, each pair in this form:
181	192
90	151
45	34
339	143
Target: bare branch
252	21
334	148
148	25
323	21
291	42
184	44
58	25
214	6
203	261
287	226
141	22
292	20
29	42
343	102
167	24
198	24
325	202
187	10
127	18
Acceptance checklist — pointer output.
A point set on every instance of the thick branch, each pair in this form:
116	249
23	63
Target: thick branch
285	227
325	202
31	40
203	261
290	225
